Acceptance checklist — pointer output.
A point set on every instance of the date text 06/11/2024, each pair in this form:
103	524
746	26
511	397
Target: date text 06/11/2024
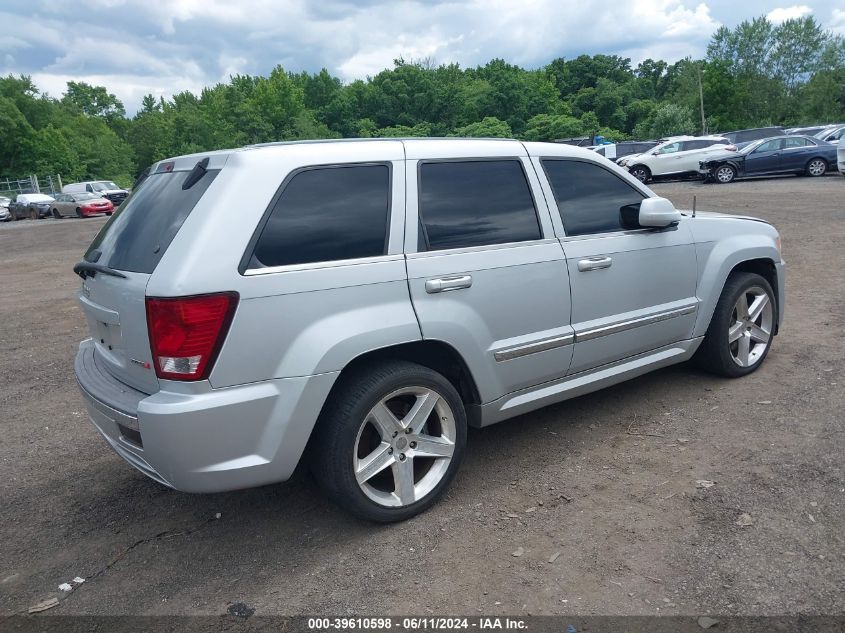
416	623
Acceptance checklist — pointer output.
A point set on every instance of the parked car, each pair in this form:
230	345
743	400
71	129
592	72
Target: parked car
614	151
805	131
753	134
840	153
81	205
30	205
373	298
5	214
831	134
676	158
781	155
105	188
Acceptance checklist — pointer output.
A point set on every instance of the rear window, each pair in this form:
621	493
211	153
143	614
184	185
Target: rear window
138	234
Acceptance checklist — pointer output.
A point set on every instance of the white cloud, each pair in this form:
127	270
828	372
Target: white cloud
783	14
837	21
134	47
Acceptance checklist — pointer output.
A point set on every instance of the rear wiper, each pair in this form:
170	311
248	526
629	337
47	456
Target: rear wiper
90	269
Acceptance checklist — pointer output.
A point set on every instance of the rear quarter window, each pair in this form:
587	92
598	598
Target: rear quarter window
139	233
327	214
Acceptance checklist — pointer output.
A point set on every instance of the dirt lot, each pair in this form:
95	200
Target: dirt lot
606	482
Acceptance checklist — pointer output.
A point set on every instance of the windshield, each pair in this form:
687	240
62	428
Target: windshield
86	196
752	146
103	185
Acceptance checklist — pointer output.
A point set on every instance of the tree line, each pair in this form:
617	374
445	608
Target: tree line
755	74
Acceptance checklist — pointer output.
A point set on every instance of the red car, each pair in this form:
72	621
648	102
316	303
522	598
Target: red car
81	205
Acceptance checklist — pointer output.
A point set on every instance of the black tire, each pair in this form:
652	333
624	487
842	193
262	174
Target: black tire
724	174
33	214
79	213
641	173
714	354
332	447
816	167
56	214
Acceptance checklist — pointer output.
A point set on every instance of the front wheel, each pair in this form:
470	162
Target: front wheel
725	174
641	173
740	333
816	167
389	441
79	212
56	214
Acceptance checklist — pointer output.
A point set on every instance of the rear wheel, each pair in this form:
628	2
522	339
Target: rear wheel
641	173
816	167
740	332
725	174
389	441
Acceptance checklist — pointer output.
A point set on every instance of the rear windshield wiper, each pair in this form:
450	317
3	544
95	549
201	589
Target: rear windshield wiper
90	269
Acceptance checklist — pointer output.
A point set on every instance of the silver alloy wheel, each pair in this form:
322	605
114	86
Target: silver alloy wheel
817	167
412	432
751	331
725	174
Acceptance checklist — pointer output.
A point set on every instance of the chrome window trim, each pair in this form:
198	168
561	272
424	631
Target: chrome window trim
485	247
287	268
607	330
525	349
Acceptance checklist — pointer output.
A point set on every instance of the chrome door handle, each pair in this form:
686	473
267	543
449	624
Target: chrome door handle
444	284
594	263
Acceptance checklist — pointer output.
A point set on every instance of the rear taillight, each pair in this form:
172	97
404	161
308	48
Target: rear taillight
186	333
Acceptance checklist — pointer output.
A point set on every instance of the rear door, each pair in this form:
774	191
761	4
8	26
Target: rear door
131	244
795	153
485	271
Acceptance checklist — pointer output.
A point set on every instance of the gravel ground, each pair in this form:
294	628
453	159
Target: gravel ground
605	483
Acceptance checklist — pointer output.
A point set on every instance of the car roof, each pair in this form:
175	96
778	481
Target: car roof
379	149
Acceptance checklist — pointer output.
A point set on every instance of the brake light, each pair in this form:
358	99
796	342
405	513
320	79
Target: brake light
186	333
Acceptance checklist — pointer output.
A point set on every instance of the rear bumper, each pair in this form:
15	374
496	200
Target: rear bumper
198	439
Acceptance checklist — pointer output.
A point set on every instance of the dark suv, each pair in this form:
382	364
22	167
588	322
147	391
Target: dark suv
753	134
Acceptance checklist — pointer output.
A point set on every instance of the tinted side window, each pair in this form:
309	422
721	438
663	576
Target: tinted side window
474	203
769	146
590	199
327	214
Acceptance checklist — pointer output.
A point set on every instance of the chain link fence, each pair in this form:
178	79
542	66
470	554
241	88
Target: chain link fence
50	185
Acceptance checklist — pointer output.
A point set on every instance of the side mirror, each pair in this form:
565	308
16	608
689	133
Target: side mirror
657	213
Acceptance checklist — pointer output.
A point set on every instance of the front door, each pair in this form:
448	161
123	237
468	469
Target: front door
633	290
765	158
488	276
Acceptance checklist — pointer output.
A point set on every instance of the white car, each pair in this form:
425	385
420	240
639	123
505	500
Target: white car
674	158
832	134
840	158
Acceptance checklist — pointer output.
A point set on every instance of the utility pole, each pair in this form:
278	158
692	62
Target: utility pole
701	101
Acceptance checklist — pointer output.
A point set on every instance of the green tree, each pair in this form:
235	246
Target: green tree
489	127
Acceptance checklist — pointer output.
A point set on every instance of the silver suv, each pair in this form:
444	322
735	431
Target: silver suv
356	304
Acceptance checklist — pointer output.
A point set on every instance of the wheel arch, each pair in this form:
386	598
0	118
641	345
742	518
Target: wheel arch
755	253
434	354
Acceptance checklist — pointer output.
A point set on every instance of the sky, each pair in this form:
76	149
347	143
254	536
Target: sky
167	46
